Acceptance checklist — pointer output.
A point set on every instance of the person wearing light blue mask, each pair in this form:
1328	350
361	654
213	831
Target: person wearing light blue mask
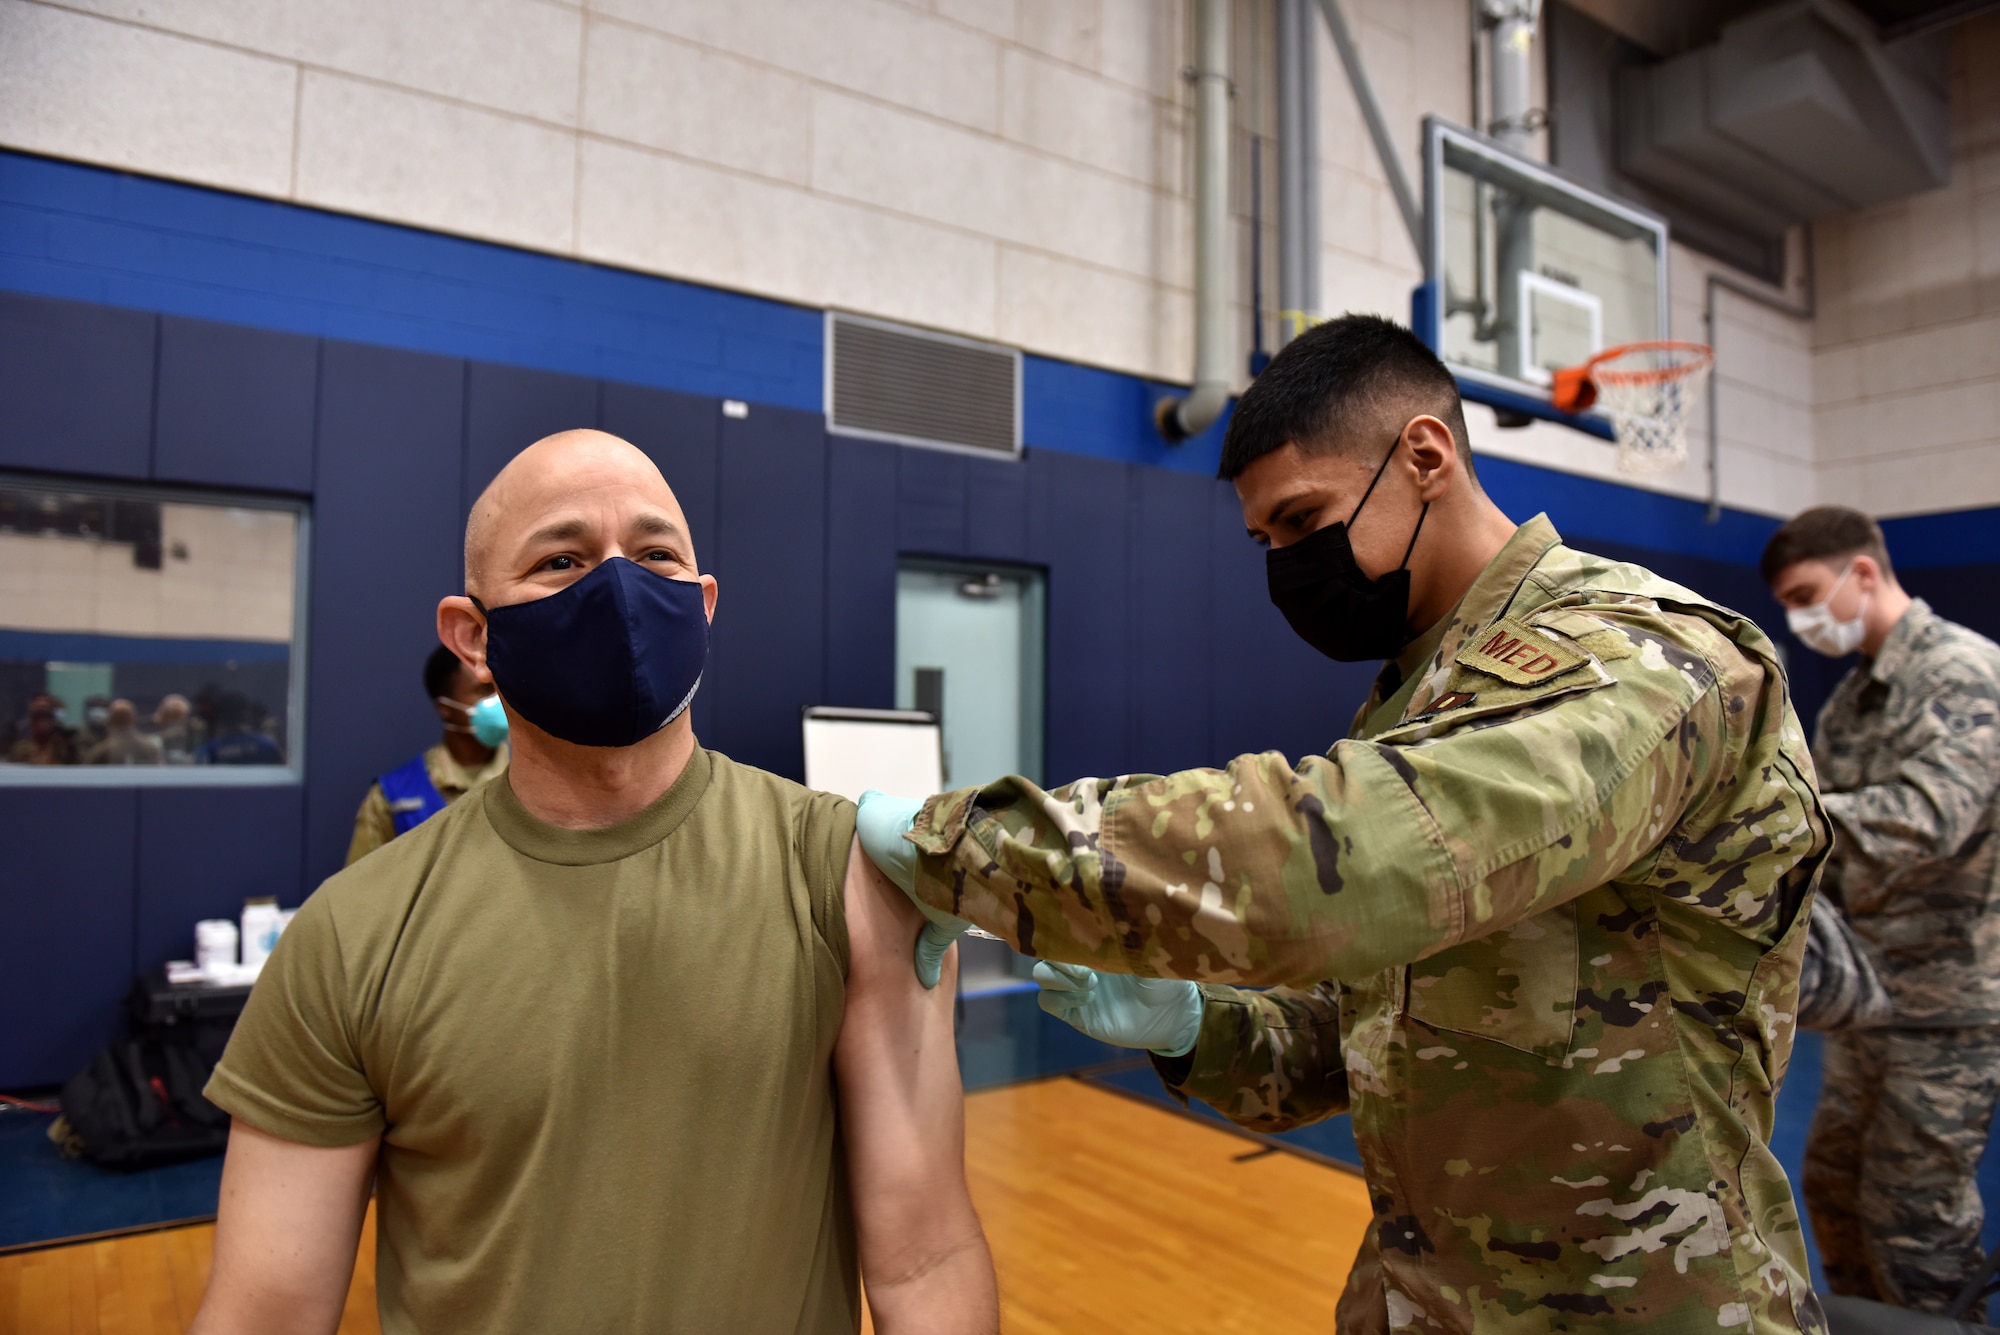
1908	755
471	750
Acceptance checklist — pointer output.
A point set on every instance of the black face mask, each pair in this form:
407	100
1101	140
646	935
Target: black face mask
1330	603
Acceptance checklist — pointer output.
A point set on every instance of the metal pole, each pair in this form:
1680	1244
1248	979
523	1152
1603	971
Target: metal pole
1513	45
1476	25
1378	128
1512	38
1298	173
1194	413
1258	356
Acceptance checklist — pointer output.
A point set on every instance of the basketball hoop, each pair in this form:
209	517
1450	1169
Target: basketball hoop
1648	391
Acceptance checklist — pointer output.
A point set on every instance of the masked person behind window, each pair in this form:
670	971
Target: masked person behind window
584	1028
123	743
177	729
237	740
1908	752
45	740
472	750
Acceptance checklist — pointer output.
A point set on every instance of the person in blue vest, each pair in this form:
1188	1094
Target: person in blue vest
472	750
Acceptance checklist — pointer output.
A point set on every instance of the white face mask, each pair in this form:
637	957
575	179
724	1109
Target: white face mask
1822	631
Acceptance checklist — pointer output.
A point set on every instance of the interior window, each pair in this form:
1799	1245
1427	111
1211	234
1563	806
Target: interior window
147	636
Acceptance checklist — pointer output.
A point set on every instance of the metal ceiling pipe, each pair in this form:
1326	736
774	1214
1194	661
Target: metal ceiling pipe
1513	123
1513	44
1193	413
1298	172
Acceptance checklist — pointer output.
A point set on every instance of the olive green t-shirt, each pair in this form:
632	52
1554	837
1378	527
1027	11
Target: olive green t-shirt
600	1061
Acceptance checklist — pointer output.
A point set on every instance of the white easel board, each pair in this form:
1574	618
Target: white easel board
848	751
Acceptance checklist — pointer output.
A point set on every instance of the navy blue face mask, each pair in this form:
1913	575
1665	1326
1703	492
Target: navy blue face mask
608	661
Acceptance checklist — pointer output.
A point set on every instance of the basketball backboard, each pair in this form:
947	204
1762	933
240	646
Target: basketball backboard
1526	272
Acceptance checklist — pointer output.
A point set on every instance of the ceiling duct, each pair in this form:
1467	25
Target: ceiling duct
891	382
1796	112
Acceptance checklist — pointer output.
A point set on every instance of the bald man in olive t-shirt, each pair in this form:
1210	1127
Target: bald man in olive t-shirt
583	1030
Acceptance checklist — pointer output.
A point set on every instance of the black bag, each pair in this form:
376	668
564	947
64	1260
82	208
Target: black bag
139	1102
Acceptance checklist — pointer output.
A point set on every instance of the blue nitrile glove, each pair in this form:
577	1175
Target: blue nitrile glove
1161	1014
880	822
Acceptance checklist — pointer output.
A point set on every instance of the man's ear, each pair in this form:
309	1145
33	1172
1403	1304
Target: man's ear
461	628
709	590
1434	455
1869	575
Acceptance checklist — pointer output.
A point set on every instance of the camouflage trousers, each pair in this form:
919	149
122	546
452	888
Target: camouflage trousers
1893	1157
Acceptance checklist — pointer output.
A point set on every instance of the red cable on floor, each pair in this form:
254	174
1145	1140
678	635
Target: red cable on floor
25	1106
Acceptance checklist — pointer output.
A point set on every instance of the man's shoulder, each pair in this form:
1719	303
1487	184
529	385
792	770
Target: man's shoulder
818	827
397	871
1661	621
1948	654
737	786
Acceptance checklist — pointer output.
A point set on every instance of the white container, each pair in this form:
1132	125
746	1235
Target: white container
214	944
261	924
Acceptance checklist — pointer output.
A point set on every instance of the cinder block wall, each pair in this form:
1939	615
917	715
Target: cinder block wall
1906	349
1009	169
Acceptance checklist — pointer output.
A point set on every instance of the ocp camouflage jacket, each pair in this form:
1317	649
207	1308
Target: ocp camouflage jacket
1909	760
1561	875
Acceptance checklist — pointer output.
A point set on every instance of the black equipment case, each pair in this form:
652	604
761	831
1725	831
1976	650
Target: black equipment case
139	1102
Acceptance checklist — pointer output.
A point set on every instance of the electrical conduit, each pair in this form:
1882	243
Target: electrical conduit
1192	414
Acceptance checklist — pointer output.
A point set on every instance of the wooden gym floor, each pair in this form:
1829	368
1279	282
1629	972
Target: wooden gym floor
1105	1212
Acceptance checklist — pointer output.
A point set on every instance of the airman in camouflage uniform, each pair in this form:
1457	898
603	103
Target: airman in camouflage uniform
1537	924
1908	753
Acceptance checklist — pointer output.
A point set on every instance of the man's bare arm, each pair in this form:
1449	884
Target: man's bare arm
923	1255
285	1235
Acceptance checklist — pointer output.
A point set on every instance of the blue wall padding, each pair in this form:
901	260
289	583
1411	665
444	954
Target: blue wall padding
66	913
387	530
235	406
507	406
1589	508
1172	676
1956	538
768	647
76	386
861	483
202	852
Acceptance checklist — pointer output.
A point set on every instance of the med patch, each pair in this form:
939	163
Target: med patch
1518	654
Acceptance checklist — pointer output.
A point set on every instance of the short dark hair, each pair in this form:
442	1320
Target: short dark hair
1824	533
1349	364
440	670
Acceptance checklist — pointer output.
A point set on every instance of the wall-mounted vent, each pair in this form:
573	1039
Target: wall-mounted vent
891	382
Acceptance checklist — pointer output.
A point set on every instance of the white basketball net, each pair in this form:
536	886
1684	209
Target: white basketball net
1649	391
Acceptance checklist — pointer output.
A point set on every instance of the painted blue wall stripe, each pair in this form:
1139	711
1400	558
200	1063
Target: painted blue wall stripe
89	234
1107	415
83	647
93	235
